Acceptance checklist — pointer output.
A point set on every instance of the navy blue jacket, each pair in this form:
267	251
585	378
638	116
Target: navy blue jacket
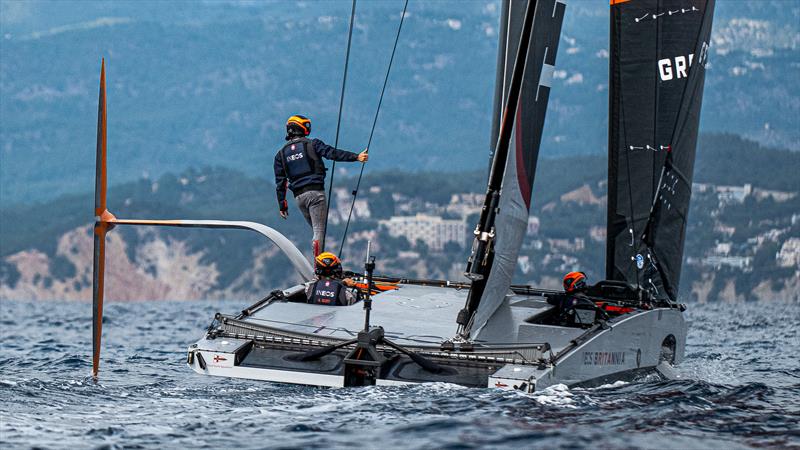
313	181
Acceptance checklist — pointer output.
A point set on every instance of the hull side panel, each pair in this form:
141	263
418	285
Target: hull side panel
626	348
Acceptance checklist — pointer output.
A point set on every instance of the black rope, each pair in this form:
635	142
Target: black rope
372	131
339	121
632	229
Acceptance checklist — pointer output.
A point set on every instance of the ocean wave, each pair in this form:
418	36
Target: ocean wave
735	389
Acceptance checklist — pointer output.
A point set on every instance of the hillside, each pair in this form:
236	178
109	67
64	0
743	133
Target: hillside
739	245
206	85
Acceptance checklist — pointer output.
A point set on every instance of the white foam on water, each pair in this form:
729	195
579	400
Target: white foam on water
556	395
441	387
612	385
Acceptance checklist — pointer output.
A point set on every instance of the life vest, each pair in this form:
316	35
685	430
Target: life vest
300	160
327	292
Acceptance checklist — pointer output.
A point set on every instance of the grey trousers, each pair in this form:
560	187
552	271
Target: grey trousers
314	208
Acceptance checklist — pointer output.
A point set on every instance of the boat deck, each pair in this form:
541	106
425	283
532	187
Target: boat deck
417	315
414	314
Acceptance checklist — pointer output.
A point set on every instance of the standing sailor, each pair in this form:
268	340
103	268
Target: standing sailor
299	166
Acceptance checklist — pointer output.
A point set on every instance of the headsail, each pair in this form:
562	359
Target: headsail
659	51
520	167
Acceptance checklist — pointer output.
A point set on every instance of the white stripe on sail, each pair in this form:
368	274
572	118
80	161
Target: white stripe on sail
555	6
546	75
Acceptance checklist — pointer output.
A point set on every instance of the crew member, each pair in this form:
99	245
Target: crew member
574	283
329	288
574	288
299	166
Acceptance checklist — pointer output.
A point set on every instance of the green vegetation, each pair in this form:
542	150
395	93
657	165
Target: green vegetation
728	159
221	193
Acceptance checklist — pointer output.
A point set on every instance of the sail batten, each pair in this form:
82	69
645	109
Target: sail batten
659	51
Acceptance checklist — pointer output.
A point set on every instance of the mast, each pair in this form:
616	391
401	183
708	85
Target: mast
500	87
529	39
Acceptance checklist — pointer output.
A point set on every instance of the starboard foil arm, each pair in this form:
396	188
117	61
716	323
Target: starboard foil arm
105	221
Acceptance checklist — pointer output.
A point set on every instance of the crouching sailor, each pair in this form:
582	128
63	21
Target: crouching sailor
299	166
329	288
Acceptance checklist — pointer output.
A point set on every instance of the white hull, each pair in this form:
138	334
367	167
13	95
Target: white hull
539	356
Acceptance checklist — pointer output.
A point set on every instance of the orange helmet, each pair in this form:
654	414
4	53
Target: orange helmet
327	265
574	281
298	125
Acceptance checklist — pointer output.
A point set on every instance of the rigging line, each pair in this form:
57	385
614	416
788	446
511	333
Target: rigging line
632	229
339	121
372	131
297	324
656	90
413	338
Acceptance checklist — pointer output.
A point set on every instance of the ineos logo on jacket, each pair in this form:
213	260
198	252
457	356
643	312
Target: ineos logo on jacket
298	162
327	292
294	157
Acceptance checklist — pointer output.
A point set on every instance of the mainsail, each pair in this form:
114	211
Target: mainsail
659	51
512	217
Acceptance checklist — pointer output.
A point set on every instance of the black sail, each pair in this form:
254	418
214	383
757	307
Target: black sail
659	51
523	152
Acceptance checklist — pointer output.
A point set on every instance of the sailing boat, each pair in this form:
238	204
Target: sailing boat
488	332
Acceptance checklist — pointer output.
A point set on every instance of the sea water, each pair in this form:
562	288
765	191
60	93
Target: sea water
739	387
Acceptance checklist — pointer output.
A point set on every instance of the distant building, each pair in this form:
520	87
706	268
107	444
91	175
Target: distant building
772	235
535	244
724	229
432	230
408	254
524	264
598	234
340	207
733	194
789	255
463	205
743	263
361	209
722	249
778	196
582	196
533	226
567	245
700	187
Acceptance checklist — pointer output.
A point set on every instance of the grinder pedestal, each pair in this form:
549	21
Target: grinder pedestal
363	365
